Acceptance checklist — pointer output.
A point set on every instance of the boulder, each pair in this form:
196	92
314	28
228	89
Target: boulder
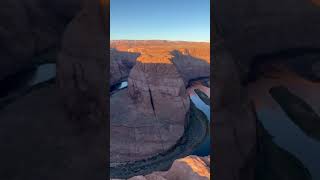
187	168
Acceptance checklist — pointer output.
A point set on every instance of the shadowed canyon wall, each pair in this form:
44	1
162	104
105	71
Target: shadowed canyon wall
25	34
251	28
120	65
39	139
81	67
249	34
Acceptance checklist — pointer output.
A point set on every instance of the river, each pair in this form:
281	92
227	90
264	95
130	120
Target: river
204	148
286	134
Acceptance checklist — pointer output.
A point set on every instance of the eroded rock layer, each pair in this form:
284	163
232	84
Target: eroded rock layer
191	59
121	63
190	65
188	168
150	116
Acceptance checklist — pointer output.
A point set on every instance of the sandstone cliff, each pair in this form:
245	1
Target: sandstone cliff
188	168
149	116
121	63
189	66
191	59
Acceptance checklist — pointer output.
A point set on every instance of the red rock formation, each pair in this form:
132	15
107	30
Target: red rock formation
189	66
188	168
192	59
149	117
120	65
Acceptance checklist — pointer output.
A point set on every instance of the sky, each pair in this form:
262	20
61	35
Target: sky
186	20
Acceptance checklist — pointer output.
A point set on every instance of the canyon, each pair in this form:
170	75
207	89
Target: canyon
61	123
45	131
253	40
150	116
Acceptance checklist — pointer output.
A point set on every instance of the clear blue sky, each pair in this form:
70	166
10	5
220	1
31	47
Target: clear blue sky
187	20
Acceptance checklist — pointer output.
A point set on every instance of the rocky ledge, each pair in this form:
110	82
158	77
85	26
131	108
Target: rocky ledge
188	168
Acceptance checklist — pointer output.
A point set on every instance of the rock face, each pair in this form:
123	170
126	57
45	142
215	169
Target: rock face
234	144
188	168
160	85
252	28
30	29
81	67
192	59
149	117
120	65
252	33
48	145
189	66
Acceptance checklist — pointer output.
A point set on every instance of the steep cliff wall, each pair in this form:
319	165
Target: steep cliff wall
81	67
31	28
249	34
150	116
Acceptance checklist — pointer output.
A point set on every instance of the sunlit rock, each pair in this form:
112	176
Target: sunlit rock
188	168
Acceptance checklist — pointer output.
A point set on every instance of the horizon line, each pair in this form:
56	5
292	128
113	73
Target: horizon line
158	40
